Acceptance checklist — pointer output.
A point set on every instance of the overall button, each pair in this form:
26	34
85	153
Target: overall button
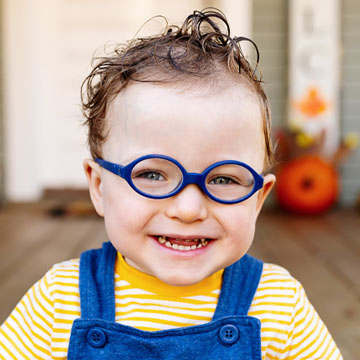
228	334
96	337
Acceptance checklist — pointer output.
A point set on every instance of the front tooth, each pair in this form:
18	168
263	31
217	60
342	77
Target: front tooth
181	247
193	247
176	246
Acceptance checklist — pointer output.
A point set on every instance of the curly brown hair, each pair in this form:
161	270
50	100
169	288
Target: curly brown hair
201	49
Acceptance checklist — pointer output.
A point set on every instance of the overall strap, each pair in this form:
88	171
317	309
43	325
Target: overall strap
97	298
240	282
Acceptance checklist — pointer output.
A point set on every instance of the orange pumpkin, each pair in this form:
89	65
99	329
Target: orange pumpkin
307	185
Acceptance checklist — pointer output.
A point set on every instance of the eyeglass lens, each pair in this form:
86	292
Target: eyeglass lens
157	177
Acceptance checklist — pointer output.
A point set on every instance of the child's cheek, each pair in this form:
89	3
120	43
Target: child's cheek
240	223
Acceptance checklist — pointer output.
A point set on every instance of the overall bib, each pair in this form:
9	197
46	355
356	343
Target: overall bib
231	334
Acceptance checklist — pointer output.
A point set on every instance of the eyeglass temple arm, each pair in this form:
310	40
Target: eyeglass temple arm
114	168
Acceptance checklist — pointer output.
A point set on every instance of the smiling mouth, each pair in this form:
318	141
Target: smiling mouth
182	244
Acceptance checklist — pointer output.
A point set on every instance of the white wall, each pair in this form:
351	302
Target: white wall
314	63
48	46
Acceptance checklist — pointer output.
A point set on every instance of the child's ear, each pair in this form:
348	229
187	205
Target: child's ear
269	181
93	174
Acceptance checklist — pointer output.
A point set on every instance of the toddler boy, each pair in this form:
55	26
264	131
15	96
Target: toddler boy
179	132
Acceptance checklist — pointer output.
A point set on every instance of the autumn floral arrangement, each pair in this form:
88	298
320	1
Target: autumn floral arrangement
308	180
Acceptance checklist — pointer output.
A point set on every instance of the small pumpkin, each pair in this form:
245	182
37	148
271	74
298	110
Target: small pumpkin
307	185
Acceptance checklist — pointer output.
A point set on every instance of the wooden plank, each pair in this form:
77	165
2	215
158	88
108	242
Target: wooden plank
326	291
23	232
59	242
333	250
8	220
347	223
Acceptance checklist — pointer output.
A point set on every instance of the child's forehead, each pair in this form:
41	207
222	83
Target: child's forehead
155	118
147	107
211	93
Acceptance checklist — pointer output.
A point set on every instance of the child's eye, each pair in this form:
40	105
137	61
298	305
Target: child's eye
151	175
223	180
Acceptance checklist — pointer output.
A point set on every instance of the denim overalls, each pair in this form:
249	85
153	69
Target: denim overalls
231	334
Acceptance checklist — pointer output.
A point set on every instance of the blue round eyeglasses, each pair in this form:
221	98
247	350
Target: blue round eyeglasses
159	176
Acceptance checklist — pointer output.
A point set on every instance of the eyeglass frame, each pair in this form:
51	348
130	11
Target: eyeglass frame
188	178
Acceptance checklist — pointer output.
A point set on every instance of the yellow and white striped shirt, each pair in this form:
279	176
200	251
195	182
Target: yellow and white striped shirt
39	327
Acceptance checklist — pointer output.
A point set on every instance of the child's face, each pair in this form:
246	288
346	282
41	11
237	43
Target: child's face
197	129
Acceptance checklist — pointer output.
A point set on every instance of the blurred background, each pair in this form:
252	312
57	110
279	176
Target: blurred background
307	49
310	64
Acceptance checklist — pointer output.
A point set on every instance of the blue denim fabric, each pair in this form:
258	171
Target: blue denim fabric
231	334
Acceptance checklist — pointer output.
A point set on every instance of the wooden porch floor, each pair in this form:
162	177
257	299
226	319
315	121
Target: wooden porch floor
323	253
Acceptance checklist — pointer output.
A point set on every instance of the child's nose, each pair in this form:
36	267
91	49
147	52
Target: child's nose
189	205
